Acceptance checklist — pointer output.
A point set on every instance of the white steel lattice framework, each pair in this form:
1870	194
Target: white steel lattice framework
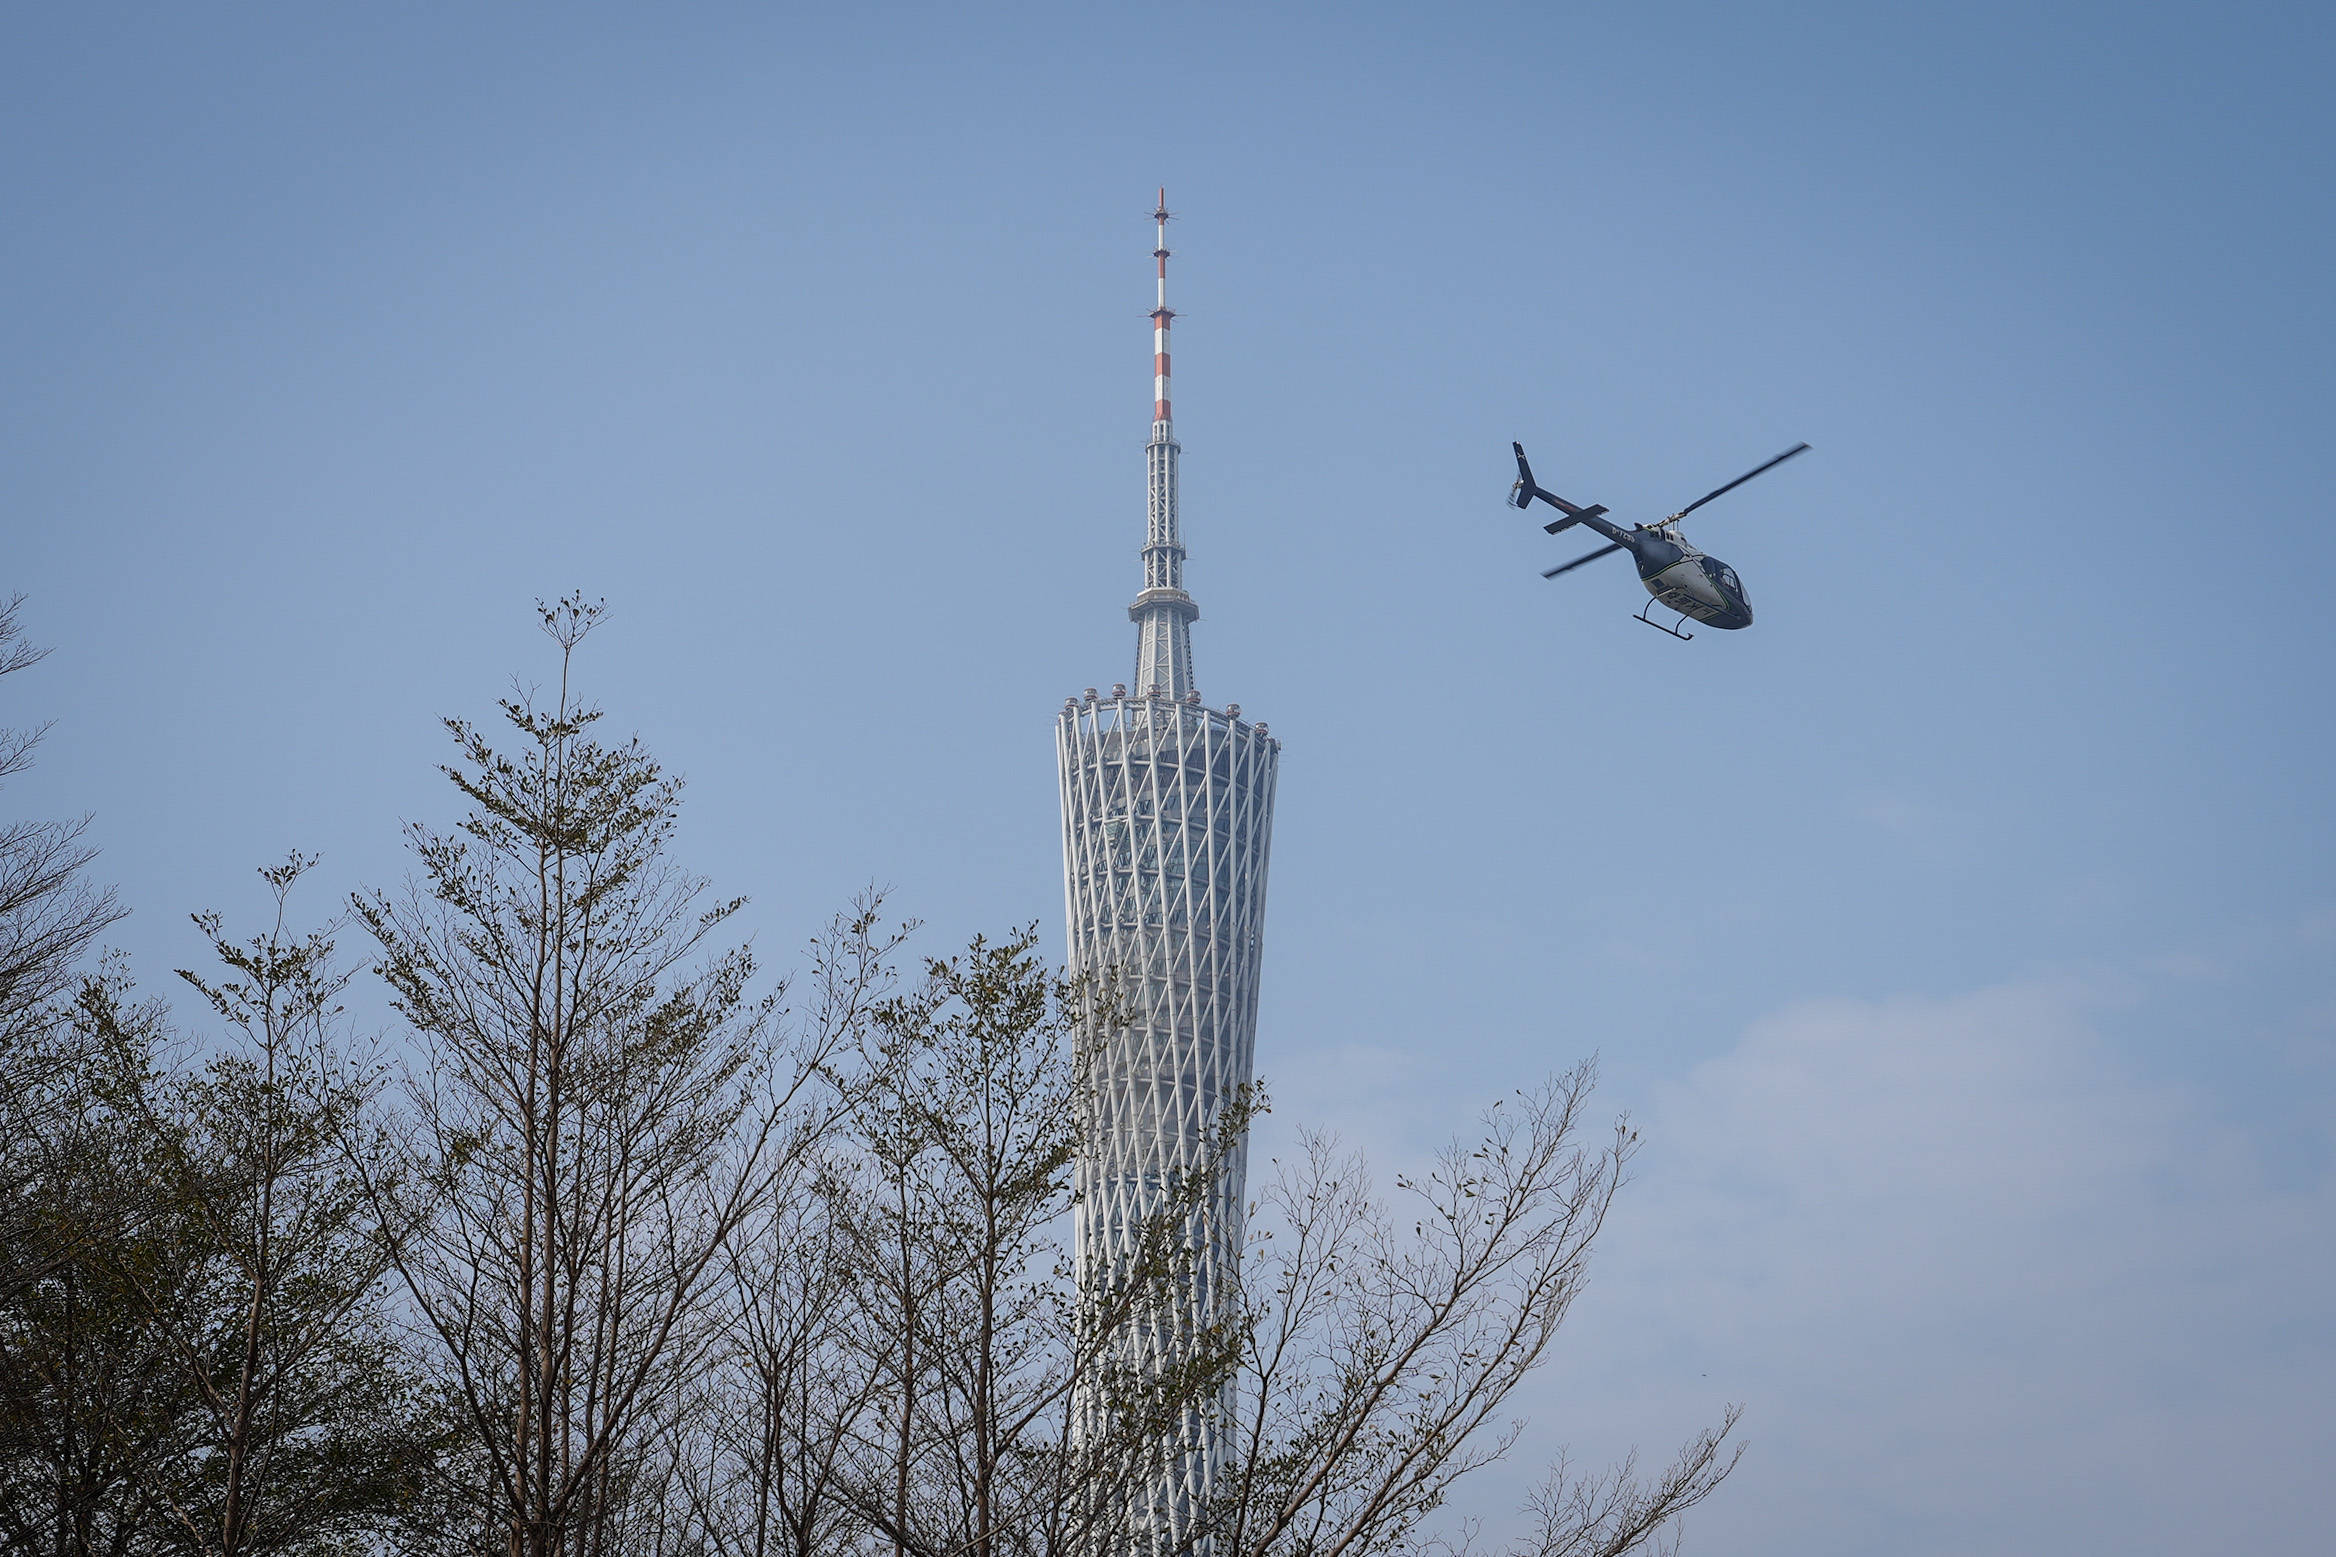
1167	821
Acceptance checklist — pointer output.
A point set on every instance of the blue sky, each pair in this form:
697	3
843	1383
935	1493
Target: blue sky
1961	934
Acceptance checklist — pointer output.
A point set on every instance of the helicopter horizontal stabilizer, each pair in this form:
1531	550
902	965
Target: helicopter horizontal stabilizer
1574	517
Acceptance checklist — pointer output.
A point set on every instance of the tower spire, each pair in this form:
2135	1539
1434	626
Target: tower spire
1163	613
1161	314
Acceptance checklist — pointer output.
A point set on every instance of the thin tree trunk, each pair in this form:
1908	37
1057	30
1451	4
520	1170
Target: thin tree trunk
231	1517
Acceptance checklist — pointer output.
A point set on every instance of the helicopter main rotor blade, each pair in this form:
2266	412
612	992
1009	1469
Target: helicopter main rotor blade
1578	561
1757	470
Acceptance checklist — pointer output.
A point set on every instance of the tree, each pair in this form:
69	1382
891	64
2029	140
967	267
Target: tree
49	910
82	1408
902	1363
94	1406
203	1364
50	915
958	1395
1378	1358
762	1456
967	1132
987	1408
311	1428
591	1113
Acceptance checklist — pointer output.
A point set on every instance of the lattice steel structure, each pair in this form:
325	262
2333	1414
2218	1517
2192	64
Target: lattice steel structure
1167	819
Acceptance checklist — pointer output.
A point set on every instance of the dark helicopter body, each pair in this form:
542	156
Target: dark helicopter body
1673	571
1686	580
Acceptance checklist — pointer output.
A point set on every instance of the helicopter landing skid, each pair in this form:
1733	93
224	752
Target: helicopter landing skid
1659	627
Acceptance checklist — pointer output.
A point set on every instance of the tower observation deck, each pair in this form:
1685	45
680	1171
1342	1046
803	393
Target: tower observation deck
1167	820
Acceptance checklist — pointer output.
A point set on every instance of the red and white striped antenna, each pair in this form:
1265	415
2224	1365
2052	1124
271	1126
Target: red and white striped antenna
1163	613
1160	317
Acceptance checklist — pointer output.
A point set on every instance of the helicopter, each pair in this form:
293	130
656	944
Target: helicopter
1675	573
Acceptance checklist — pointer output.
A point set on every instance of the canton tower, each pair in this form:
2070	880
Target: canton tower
1167	818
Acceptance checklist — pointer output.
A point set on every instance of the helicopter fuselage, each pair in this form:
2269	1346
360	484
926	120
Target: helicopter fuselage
1676	574
1688	581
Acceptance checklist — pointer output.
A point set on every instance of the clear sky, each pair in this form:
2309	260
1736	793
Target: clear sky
1961	935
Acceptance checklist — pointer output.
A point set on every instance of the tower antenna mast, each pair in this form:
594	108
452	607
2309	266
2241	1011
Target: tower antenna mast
1163	613
1161	314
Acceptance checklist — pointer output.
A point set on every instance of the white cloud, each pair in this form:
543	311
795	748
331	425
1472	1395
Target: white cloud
1983	1287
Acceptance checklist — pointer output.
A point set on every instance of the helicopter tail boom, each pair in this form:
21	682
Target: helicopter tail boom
1522	494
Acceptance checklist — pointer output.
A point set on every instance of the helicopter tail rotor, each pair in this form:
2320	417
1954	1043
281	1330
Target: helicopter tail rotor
1521	495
